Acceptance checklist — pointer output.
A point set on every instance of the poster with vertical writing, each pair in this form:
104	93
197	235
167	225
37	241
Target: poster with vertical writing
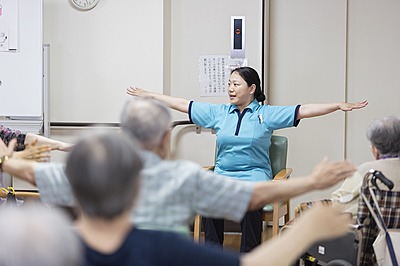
214	71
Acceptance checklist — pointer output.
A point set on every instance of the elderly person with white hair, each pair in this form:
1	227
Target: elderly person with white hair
36	235
384	137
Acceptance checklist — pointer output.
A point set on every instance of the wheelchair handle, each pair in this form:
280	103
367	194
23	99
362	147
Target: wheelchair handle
372	175
378	175
384	179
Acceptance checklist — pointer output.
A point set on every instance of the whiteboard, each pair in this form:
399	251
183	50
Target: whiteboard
21	71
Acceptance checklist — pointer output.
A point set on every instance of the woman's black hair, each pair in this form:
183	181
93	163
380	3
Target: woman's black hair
251	77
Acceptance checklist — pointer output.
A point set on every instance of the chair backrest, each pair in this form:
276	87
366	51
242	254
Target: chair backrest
278	153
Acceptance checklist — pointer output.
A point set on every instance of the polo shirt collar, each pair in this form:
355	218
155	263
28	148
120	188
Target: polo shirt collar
252	106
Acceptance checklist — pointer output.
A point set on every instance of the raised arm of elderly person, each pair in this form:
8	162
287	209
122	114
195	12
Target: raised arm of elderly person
7	134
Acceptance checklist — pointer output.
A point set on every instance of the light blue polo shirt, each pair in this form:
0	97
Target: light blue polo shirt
243	140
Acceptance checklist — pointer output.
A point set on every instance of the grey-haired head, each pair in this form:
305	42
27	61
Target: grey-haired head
384	134
104	171
147	120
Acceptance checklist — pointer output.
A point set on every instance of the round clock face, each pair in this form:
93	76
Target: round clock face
84	4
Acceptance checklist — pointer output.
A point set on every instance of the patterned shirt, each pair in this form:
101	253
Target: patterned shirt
53	184
172	193
7	134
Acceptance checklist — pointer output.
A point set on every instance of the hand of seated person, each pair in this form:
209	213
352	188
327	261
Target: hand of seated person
32	151
328	173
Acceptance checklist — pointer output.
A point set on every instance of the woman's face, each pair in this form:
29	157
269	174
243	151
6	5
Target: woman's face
240	94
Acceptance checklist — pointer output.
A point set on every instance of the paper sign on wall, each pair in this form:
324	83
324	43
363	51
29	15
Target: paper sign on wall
214	72
8	25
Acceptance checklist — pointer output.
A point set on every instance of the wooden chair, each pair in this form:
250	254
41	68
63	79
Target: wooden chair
274	211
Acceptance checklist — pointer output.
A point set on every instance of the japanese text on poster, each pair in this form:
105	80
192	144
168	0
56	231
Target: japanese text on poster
214	73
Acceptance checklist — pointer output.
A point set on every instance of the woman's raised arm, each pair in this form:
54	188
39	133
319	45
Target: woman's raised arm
312	110
175	103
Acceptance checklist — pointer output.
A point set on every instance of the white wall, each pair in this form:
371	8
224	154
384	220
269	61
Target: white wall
307	65
330	51
96	55
374	63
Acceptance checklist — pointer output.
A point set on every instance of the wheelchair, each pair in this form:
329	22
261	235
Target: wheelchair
352	248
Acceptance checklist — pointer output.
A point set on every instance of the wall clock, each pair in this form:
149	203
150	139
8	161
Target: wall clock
84	5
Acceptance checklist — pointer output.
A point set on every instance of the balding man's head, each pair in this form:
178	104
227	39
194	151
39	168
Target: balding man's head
147	120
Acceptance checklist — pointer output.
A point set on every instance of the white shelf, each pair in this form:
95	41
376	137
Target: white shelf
32	126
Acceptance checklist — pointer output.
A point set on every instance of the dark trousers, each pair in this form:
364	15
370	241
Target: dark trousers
251	226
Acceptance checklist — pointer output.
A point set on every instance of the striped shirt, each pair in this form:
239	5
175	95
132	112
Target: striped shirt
171	194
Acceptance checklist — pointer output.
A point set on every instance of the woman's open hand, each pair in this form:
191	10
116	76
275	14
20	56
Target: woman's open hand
135	91
350	106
